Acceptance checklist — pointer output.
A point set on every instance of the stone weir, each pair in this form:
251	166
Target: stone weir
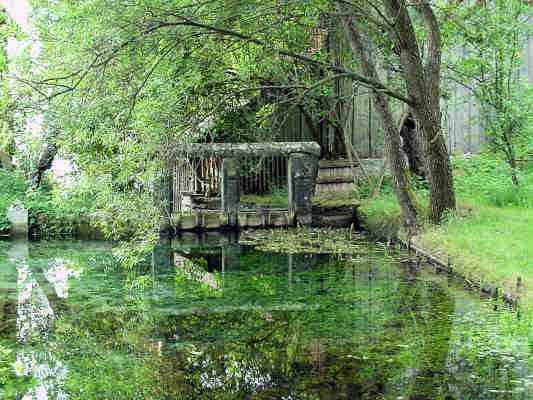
264	217
228	213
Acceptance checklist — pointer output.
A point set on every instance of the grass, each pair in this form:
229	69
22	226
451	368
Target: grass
491	246
277	199
489	240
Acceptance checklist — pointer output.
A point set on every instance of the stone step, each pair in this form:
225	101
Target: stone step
336	164
334	179
334	187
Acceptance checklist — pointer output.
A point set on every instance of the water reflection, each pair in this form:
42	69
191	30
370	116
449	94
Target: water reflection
195	272
224	321
35	320
59	273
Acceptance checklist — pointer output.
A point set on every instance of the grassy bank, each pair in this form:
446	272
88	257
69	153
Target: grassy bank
489	240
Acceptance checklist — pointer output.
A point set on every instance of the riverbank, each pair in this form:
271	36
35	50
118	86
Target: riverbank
489	240
488	246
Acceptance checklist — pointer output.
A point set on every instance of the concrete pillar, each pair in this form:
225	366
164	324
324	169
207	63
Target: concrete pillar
230	189
231	255
18	218
302	173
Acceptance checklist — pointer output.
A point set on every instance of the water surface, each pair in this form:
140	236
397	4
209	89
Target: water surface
210	320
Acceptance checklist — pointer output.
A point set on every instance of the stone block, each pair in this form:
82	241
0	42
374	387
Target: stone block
188	221
279	218
302	174
251	219
211	219
230	189
18	218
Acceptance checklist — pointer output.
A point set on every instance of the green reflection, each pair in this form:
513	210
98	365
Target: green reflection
240	323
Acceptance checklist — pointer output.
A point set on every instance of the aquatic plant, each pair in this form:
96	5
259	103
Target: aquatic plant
304	240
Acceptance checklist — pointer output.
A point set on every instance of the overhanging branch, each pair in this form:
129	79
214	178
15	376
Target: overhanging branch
374	84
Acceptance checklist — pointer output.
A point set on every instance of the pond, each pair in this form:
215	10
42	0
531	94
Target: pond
215	319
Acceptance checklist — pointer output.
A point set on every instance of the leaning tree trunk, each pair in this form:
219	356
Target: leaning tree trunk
45	163
397	165
437	165
423	88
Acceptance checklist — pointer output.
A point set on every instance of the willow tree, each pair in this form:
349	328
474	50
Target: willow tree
409	31
126	81
7	144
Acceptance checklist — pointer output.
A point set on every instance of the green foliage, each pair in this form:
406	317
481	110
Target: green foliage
11	385
484	178
366	188
13	187
7	139
6	367
51	214
485	55
7	101
277	199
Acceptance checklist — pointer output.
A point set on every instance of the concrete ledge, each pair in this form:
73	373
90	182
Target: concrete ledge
216	219
249	149
213	220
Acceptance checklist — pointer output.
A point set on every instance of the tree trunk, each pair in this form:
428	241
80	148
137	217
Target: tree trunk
510	155
45	163
411	145
401	180
437	164
423	88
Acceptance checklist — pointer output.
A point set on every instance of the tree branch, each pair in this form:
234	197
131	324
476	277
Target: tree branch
376	85
433	61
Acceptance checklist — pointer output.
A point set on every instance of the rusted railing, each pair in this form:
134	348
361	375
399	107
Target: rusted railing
201	176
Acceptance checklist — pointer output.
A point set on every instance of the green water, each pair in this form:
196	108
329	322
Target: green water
243	324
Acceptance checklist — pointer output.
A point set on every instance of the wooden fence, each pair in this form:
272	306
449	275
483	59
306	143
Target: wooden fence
461	117
462	120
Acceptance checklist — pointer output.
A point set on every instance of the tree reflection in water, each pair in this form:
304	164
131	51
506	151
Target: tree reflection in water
242	324
35	320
